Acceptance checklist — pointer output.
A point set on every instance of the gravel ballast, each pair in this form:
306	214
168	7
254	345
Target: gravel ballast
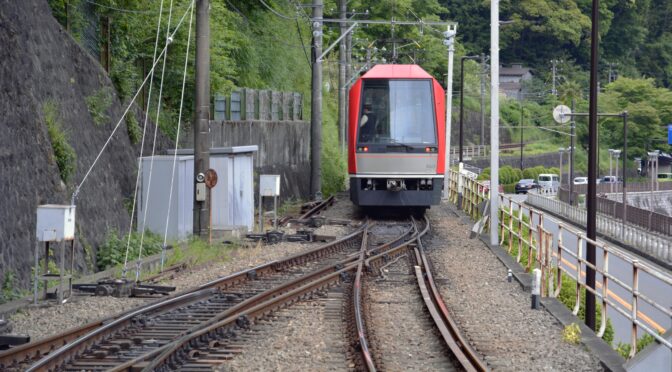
495	315
42	322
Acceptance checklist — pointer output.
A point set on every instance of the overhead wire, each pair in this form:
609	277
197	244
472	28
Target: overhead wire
276	12
177	141
156	131
142	143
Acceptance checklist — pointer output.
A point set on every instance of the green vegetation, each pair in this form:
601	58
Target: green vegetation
133	129
198	252
642	342
9	290
113	251
572	334
64	154
98	103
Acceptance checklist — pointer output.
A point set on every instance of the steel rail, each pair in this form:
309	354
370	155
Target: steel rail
256	307
459	346
318	208
76	342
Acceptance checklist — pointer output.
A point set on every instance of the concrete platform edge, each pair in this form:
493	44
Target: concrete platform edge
610	360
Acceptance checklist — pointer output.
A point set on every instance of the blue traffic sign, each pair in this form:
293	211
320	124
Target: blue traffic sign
669	134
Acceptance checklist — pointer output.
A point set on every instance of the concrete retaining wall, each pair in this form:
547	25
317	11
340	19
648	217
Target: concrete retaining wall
284	148
662	200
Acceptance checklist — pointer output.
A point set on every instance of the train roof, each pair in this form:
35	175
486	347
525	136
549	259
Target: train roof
396	72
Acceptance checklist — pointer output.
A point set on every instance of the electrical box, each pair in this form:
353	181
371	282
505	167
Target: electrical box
200	191
269	185
55	223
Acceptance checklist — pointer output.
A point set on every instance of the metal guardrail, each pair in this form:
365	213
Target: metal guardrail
554	262
652	221
646	241
518	224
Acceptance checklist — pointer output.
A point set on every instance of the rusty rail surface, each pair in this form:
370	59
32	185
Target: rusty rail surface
60	348
458	345
324	204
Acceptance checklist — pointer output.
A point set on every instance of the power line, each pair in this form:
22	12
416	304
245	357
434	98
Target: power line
276	12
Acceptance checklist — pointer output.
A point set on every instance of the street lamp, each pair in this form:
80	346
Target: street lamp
611	184
561	150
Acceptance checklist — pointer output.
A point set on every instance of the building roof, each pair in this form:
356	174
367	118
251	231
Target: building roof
396	72
514	70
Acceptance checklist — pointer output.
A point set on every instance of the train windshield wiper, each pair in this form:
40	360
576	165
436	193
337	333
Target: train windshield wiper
395	143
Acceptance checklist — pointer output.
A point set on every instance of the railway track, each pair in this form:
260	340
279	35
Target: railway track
210	325
120	337
370	358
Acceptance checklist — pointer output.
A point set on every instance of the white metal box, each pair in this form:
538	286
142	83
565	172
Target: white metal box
269	185
55	223
232	199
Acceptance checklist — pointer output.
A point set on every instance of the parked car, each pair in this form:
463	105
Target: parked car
486	186
548	181
611	179
664	177
580	180
525	185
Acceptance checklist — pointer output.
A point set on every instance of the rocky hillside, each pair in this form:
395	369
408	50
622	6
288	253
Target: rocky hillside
53	94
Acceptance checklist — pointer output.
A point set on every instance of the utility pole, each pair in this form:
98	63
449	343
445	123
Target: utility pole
494	122
483	73
202	120
449	41
572	126
554	71
394	44
316	104
591	198
341	77
522	116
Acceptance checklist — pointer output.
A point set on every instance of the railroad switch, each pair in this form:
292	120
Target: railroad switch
274	237
122	288
7	340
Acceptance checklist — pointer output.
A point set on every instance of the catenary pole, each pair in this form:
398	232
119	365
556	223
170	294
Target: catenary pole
202	115
341	76
482	143
316	104
572	125
450	41
494	121
591	198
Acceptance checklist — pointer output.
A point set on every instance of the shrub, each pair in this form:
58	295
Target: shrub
9	291
66	158
642	342
113	251
133	129
98	103
572	334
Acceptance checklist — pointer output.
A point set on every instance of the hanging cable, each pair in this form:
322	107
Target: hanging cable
276	12
156	131
142	142
177	141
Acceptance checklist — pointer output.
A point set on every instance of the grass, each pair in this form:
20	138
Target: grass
113	250
64	154
98	104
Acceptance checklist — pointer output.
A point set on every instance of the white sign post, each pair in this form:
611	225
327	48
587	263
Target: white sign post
269	185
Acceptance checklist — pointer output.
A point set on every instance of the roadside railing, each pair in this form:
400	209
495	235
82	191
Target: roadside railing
521	227
537	242
646	241
652	221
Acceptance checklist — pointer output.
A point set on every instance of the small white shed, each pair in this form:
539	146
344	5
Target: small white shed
232	197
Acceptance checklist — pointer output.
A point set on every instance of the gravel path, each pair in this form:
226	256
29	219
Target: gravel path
494	314
47	321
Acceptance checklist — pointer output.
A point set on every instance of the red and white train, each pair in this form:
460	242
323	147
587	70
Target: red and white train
396	138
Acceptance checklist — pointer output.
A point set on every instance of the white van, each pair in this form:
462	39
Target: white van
548	181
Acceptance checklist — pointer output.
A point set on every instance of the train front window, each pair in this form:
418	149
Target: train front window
397	111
